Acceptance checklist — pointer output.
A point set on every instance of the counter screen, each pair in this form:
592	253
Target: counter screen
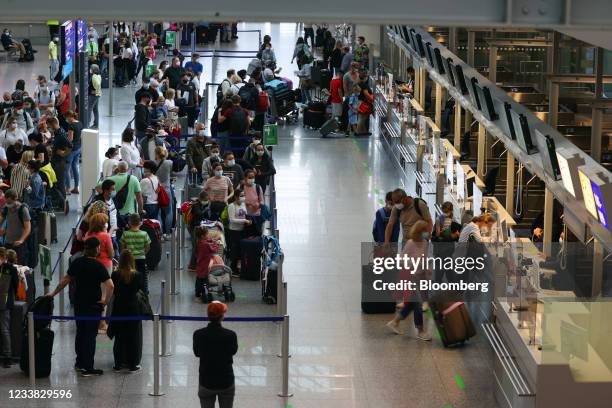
587	194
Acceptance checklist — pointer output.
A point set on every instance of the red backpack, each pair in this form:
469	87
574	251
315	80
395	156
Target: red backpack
263	103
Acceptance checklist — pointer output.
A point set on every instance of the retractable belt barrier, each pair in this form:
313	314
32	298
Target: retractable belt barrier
284	353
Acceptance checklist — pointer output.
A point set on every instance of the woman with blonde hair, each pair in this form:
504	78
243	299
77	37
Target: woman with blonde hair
164	175
20	174
78	243
471	230
416	247
127	350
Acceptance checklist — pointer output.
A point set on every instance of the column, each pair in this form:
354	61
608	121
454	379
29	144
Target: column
509	182
549	200
482	149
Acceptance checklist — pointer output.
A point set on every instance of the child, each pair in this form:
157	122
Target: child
206	250
8	289
353	113
138	243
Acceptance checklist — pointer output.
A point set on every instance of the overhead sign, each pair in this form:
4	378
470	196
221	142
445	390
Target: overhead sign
587	194
81	35
67	47
599	205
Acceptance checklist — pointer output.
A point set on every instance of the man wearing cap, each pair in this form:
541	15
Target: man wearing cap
193	65
216	346
149	143
89	300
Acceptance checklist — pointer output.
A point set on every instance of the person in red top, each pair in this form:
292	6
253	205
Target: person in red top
206	249
336	94
237	117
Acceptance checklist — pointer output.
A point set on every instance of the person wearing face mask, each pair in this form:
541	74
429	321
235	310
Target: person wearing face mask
149	143
23	119
174	73
34	193
196	151
44	97
62	147
164	175
382	219
20	174
254	200
95	92
10	44
109	165
250	152
12	133
30	108
200	211
208	163
15	152
407	211
186	99
73	158
232	170
471	230
142	115
416	247
18	226
53	61
263	165
149	186
444	221
145	89
268	57
362	52
237	213
219	189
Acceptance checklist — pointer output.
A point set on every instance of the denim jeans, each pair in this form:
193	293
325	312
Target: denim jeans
418	313
72	166
208	397
152	211
93	108
5	332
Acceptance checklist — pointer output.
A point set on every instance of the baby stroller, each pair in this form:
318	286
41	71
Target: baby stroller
219	278
216	233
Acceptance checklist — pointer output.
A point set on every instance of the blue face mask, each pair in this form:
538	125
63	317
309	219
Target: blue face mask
113	193
218	173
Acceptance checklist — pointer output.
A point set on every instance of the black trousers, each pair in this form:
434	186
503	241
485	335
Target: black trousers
85	339
127	350
234	248
309	33
141	266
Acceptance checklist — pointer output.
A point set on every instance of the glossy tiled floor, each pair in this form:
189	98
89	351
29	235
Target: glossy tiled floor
328	191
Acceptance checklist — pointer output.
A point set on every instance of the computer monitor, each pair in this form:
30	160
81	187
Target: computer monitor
413	40
474	93
405	34
420	45
461	79
449	71
548	153
523	133
430	53
439	61
503	231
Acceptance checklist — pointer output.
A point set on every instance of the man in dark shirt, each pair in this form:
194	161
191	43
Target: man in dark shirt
142	115
186	99
62	147
174	73
232	170
146	89
89	300
216	346
237	116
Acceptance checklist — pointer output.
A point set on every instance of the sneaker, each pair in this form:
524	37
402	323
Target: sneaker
91	373
422	335
135	369
75	191
394	326
117	368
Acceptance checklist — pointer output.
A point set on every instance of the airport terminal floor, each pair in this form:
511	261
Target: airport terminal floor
327	193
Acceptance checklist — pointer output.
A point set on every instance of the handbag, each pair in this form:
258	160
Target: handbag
163	200
365	108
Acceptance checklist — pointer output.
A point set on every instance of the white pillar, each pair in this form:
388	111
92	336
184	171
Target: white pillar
90	156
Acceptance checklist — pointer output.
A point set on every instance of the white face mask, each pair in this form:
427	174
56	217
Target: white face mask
242	200
214	154
259	153
13	125
202	132
231	162
399	206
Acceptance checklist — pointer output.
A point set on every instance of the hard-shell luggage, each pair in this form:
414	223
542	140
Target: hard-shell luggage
453	322
314	119
192	187
251	258
153	229
18	316
288	82
47	227
329	127
43	346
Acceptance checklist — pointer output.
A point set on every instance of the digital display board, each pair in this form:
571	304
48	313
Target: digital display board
81	36
599	205
566	175
477	199
67	47
450	163
587	193
460	182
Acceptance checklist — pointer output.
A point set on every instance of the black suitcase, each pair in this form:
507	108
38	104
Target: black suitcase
344	118
269	287
317	106
104	82
47	228
329	127
377	307
314	119
43	346
18	316
251	258
155	250
325	77
453	322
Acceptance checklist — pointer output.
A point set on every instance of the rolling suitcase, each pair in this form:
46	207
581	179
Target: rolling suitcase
47	228
325	77
453	322
329	127
18	315
314	119
153	229
192	187
251	258
43	346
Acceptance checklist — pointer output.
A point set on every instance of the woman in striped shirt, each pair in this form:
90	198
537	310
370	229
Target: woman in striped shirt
219	189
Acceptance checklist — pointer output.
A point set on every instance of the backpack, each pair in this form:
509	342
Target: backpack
383	217
220	95
31	242
263	102
238	122
122	195
247	99
186	208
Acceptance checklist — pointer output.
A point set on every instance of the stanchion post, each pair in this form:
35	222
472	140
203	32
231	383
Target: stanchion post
177	260
31	350
285	298
279	286
285	359
164	323
182	224
156	391
61	276
172	267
